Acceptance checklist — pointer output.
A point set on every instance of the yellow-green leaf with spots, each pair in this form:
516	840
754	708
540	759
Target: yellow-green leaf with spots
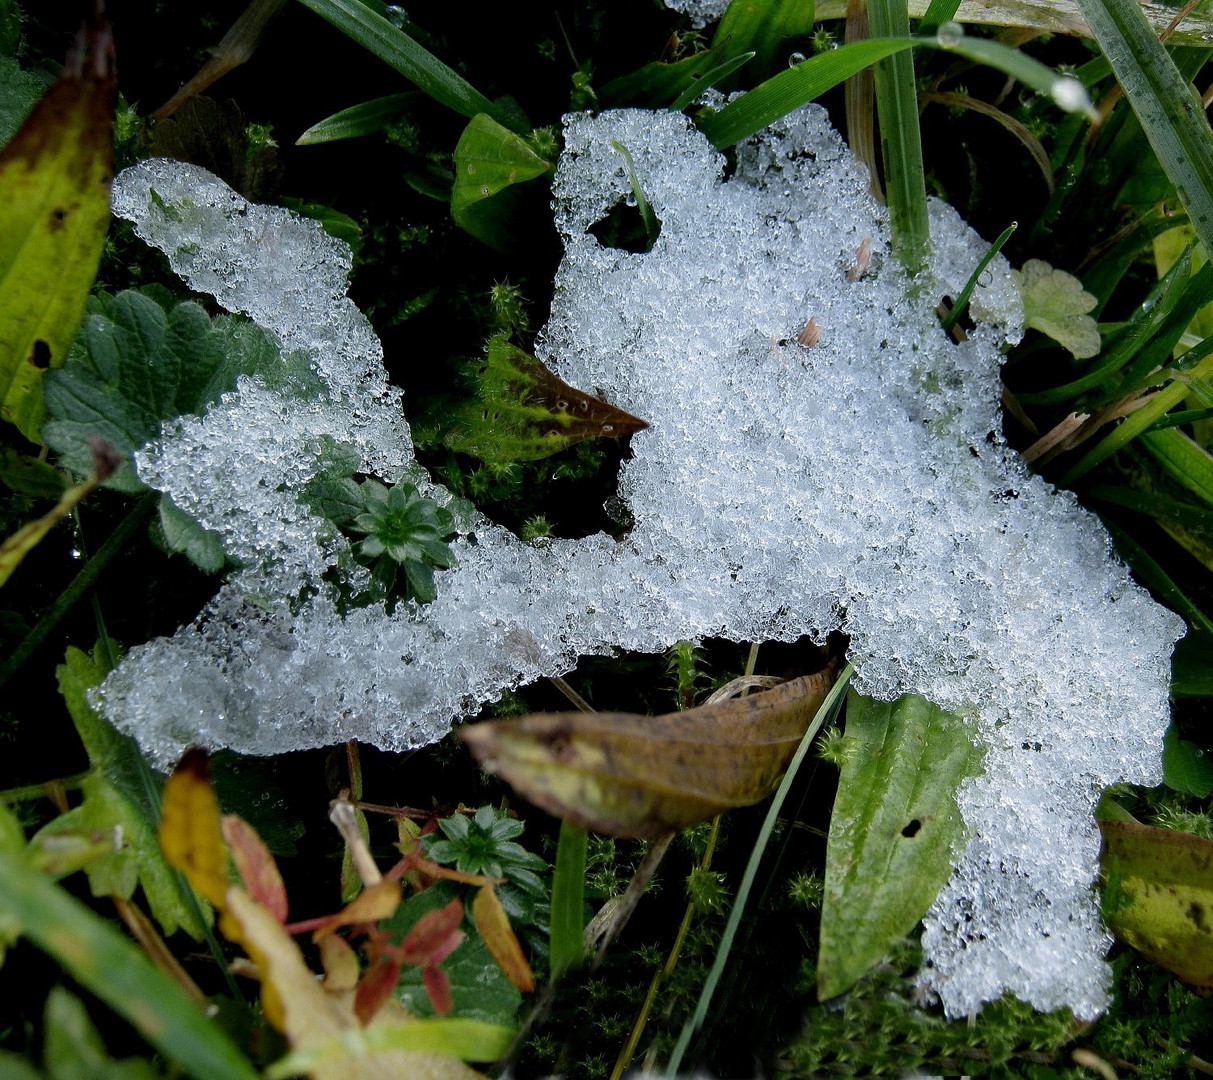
54	210
1158	896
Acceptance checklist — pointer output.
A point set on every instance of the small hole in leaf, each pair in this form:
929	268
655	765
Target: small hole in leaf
912	829
623	228
40	357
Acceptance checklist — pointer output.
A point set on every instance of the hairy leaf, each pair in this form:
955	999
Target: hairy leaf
1056	304
525	412
647	775
1185	766
1159	896
136	364
894	832
54	209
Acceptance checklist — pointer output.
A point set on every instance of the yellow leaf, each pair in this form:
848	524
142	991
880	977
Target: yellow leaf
324	1035
54	209
499	939
648	775
1159	896
190	834
339	961
372	904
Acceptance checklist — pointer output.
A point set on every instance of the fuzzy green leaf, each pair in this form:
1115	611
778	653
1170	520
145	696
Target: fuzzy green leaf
894	832
1056	304
19	92
525	412
115	796
182	534
134	365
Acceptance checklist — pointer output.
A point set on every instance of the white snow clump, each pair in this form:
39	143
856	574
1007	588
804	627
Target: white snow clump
860	484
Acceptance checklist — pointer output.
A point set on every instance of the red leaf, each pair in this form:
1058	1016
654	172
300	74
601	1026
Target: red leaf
438	986
434	936
375	987
256	865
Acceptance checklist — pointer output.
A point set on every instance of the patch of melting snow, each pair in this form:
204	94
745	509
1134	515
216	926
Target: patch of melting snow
861	484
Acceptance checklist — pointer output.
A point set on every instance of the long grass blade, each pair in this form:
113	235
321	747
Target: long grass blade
787	91
101	959
566	944
828	709
1168	108
962	300
393	46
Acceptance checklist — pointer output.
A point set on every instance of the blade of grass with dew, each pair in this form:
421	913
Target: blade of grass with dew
113	968
651	228
905	182
962	300
938	12
709	79
1169	110
363	119
828	709
787	91
567	944
1177	419
1150	573
1137	423
393	46
1183	459
1045	16
1155	505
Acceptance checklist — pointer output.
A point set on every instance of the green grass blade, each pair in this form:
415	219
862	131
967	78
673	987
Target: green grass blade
1137	423
363	119
1150	573
470	1040
787	91
709	79
905	181
963	299
567	945
393	46
828	709
938	12
110	966
1183	459
1169	110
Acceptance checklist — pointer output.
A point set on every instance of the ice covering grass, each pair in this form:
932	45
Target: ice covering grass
860	484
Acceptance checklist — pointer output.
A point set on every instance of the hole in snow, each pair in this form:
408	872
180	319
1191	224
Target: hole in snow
623	228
